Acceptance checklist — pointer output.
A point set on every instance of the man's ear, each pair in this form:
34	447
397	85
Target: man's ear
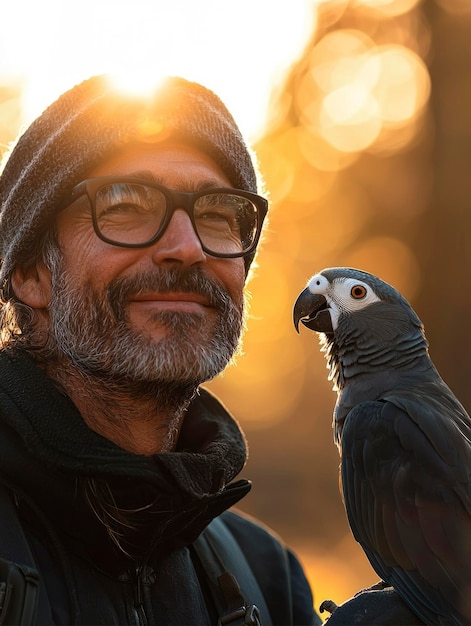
32	285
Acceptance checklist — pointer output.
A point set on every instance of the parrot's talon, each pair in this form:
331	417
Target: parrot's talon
328	605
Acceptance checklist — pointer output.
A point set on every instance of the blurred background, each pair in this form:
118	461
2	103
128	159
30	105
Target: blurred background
360	114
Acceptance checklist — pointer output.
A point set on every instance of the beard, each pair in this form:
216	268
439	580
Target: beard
91	329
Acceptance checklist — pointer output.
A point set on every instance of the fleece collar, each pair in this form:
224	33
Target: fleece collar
48	454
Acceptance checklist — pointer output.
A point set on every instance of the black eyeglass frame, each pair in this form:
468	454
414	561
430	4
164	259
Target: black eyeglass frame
175	199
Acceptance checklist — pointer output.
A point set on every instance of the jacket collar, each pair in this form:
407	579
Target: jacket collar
58	466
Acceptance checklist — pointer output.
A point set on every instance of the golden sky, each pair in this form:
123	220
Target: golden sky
235	47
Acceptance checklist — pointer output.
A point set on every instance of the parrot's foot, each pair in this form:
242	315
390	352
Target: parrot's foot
328	605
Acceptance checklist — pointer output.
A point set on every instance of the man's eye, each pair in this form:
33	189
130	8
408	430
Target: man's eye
217	219
121	209
216	216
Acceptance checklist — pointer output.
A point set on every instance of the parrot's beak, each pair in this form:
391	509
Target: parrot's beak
313	311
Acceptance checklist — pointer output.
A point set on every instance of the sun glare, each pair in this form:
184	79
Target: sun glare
237	48
136	83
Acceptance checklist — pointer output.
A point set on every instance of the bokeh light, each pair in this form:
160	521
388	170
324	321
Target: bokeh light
364	89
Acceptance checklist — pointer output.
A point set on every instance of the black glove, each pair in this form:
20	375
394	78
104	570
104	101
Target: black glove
378	607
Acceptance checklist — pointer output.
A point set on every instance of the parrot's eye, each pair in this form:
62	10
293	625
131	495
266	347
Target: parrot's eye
358	292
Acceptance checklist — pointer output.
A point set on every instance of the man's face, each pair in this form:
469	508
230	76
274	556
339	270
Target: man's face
167	312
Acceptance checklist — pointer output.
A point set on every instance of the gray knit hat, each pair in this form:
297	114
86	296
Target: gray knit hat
87	124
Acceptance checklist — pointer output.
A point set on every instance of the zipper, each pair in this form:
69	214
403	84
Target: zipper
139	599
142	576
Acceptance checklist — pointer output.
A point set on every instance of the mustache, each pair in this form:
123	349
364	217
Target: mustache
160	280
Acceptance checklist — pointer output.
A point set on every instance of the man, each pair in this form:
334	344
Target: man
128	227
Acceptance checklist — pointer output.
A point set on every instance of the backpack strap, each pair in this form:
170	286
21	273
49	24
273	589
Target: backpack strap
19	577
236	593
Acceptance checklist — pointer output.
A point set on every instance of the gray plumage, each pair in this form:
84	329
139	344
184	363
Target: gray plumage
404	441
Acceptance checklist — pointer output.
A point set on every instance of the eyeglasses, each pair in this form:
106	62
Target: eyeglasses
134	213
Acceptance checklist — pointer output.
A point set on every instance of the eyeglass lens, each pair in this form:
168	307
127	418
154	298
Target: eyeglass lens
131	213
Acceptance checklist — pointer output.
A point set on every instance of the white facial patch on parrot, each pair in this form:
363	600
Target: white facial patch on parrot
343	295
318	284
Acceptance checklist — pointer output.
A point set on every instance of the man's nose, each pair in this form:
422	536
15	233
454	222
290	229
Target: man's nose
179	243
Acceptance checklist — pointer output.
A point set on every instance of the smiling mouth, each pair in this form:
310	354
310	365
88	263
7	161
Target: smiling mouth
178	302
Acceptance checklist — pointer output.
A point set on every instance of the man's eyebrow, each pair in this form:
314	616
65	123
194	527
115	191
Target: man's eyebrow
201	185
146	175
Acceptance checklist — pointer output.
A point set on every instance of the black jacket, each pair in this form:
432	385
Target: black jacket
111	533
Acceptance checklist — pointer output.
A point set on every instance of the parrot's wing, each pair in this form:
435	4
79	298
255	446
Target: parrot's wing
408	504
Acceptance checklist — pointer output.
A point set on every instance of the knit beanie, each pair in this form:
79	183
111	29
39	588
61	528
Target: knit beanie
87	124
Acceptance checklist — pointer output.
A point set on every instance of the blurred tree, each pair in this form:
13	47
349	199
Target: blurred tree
444	240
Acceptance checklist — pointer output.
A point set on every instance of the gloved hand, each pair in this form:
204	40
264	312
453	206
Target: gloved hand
378	607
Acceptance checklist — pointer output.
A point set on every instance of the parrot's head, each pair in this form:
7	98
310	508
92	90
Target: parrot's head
360	318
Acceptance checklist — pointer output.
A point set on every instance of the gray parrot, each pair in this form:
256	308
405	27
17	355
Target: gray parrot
404	442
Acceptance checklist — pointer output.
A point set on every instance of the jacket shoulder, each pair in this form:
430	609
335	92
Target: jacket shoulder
276	568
